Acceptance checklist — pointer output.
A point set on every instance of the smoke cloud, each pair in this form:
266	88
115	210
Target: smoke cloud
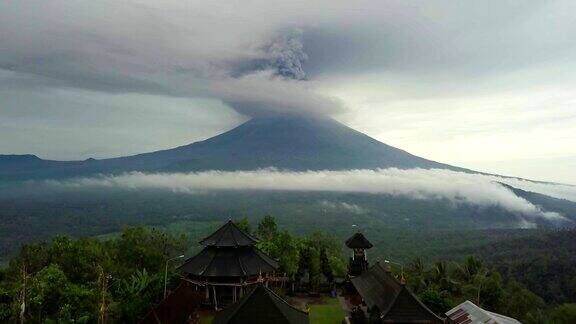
457	187
250	62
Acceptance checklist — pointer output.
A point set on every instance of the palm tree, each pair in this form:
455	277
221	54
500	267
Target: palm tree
470	270
441	276
417	275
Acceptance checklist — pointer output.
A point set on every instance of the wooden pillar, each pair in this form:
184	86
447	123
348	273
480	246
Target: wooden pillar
207	294
234	293
215	298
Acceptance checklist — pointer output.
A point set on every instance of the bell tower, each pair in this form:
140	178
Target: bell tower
358	263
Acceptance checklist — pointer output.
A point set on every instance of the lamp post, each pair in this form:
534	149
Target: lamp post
166	272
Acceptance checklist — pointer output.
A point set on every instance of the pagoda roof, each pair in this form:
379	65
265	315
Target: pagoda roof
241	261
393	299
358	241
229	235
261	306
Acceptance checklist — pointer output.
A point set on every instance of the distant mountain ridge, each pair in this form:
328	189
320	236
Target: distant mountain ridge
285	142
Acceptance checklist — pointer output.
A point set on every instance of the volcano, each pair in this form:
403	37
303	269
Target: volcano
30	210
286	142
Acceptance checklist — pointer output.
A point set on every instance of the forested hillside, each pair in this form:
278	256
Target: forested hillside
40	211
545	263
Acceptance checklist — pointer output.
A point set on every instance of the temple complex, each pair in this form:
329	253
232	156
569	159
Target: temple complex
231	276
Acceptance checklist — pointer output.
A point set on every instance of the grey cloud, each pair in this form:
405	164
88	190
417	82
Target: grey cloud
148	47
148	54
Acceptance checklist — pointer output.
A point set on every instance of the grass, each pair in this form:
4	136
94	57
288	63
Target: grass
328	312
206	319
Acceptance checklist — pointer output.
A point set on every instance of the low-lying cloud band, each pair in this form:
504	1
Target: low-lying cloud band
457	187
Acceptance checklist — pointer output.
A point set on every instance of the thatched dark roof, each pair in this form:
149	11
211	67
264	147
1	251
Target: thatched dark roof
229	262
358	241
396	303
178	307
229	235
261	306
377	286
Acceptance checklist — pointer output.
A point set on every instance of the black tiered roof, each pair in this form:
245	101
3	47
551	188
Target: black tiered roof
358	241
393	299
229	252
229	235
261	306
229	262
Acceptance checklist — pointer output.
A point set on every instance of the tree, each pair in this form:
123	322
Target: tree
136	293
52	297
267	228
491	292
416	275
333	249
325	266
314	269
520	302
64	277
285	248
470	269
244	225
437	301
440	275
563	314
77	258
142	248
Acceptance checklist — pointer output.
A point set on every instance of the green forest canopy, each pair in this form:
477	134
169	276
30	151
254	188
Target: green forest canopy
121	277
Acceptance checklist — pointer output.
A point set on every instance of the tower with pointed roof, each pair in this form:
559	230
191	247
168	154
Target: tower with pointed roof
358	263
228	265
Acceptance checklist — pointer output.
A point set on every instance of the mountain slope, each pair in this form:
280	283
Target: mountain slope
285	142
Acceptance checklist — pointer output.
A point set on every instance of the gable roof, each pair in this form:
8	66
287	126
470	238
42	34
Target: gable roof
229	262
377	287
178	307
407	308
358	241
393	299
264	306
229	235
468	312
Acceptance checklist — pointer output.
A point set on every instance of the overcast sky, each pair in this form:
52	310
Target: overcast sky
488	85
